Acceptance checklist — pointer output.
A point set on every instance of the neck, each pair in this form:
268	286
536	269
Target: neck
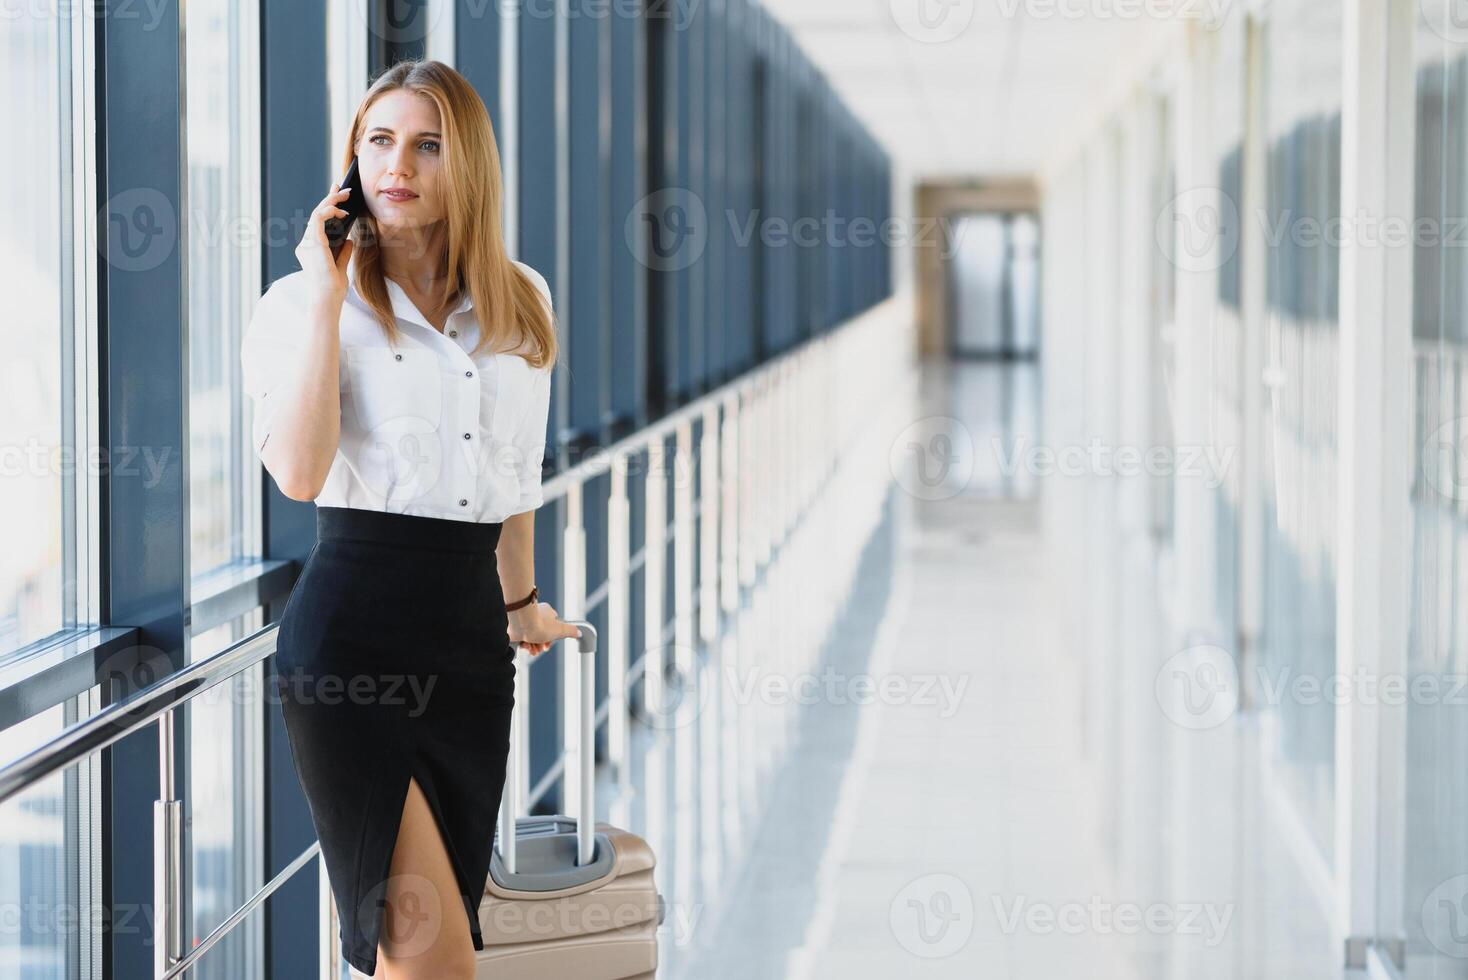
416	259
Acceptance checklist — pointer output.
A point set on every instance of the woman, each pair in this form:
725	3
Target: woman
404	385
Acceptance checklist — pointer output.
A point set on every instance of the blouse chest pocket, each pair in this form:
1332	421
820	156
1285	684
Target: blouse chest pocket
388	387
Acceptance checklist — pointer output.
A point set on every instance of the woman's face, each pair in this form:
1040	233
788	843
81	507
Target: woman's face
401	149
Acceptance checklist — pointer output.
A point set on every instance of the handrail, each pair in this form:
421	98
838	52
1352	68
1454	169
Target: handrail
224	928
599	460
134	713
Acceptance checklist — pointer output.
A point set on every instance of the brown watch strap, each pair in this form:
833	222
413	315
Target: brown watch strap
534	594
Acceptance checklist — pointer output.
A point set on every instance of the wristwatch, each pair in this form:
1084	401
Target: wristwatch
534	594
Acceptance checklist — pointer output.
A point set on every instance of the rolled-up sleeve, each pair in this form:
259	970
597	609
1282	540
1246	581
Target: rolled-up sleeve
272	350
530	441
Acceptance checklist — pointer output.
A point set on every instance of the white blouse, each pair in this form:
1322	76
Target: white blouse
425	428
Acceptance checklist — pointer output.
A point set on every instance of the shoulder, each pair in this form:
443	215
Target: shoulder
273	321
283	293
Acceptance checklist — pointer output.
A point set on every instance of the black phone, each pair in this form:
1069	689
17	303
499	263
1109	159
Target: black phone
337	228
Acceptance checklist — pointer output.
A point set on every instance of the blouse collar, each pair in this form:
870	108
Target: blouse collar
402	306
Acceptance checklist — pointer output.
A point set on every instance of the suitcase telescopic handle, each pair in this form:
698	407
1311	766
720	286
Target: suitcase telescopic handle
586	817
586	811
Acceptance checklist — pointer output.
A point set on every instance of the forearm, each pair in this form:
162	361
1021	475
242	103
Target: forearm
306	428
515	556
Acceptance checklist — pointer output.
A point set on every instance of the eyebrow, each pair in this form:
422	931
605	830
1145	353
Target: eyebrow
384	129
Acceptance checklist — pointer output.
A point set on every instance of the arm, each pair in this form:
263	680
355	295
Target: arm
291	358
304	427
535	626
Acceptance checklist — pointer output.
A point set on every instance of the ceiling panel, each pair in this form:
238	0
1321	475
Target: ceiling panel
994	98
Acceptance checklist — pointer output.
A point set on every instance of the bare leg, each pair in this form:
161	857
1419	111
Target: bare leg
425	935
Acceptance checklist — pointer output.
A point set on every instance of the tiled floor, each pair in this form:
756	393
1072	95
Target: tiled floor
993	805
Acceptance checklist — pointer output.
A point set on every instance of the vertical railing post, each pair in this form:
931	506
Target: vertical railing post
517	763
746	428
654	561
327	945
787	434
766	453
683	530
681	713
167	855
729	477
619	598
709	536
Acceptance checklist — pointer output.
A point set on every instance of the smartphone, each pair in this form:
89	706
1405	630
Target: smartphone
337	228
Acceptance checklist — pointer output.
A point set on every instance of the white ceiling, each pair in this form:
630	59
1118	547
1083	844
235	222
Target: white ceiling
1017	80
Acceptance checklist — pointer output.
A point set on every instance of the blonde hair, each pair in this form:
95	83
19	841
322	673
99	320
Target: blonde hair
507	303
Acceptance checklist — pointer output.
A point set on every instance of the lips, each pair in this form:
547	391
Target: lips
398	194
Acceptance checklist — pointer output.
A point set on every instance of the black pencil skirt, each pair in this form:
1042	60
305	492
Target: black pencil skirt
393	660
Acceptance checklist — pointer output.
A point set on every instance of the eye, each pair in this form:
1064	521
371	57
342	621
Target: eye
430	143
374	139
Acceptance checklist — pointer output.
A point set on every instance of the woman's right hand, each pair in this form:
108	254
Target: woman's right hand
327	274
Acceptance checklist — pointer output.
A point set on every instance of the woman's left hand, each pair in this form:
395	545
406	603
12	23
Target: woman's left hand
536	627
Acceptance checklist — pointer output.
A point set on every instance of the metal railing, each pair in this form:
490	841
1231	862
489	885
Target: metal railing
768	442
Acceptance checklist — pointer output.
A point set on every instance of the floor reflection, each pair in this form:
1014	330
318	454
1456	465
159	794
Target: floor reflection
895	764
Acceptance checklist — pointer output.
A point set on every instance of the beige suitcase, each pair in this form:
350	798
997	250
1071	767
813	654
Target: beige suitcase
567	898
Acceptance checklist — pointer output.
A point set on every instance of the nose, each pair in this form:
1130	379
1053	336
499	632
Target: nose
399	161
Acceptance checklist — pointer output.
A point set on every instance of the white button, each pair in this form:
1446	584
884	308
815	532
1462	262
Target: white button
463	502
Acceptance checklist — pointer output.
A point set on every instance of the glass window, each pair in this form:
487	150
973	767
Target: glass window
1425	891
224	808
223	724
223	272
47	502
1226	410
1302	89
52	865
